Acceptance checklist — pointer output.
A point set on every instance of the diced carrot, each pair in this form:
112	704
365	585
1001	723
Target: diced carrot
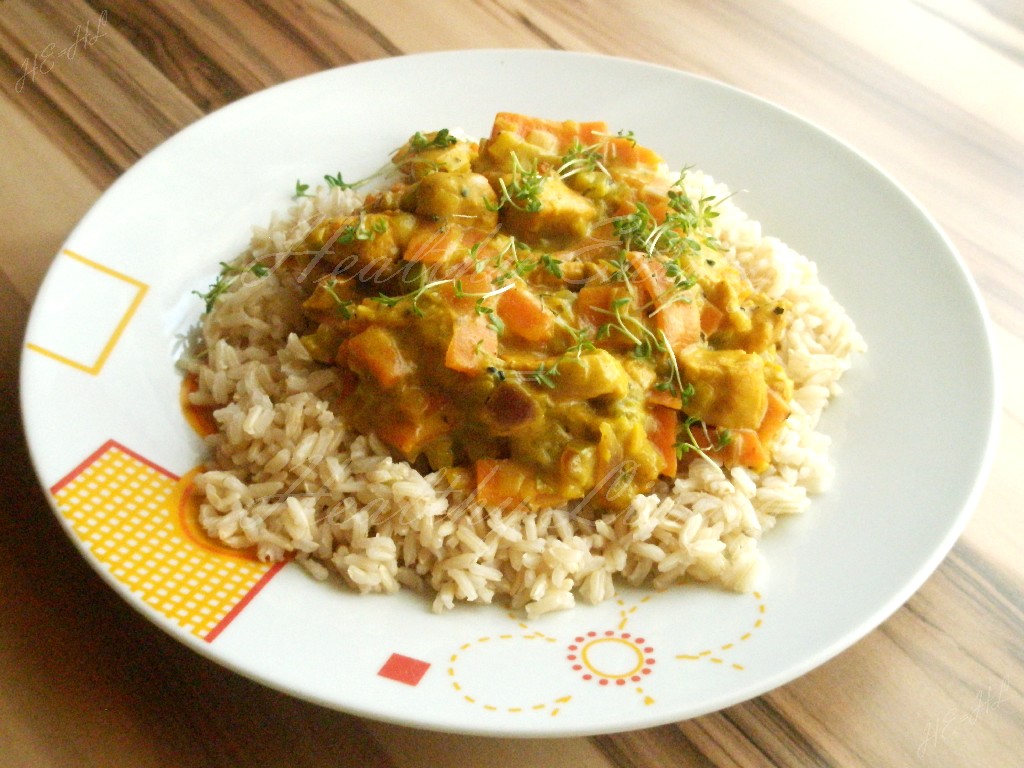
745	449
411	437
680	321
594	308
564	132
650	273
376	351
402	435
592	132
619	150
467	289
675	314
503	482
523	314
472	341
430	244
484	244
473	235
774	417
661	397
624	151
657	206
623	208
474	284
654	201
663	436
423	417
710	318
496	484
594	302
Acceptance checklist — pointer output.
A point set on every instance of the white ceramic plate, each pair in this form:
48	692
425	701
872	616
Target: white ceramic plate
912	431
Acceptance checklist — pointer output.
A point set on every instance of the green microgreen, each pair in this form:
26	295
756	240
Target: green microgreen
523	192
581	343
340	183
302	189
678	292
621	269
520	266
544	374
620	321
343	306
723	438
413	297
461	293
493	321
360	231
228	274
440	140
634	228
579	158
675	378
551	264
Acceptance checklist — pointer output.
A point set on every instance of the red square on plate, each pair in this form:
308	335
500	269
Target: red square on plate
404	669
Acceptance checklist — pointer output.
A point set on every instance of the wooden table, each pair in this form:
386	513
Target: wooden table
932	90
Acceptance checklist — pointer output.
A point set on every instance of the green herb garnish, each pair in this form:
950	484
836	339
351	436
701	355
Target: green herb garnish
523	193
228	274
440	140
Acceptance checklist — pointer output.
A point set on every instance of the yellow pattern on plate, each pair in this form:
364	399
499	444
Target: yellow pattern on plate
105	291
128	512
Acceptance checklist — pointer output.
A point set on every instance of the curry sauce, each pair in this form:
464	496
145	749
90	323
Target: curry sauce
545	315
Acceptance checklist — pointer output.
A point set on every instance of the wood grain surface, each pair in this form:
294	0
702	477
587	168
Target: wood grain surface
931	90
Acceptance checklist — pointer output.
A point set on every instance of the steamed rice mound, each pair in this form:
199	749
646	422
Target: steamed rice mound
286	476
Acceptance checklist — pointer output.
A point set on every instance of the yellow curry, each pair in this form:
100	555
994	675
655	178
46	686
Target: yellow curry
545	316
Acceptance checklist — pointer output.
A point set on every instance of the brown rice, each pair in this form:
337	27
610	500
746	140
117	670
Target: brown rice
286	476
